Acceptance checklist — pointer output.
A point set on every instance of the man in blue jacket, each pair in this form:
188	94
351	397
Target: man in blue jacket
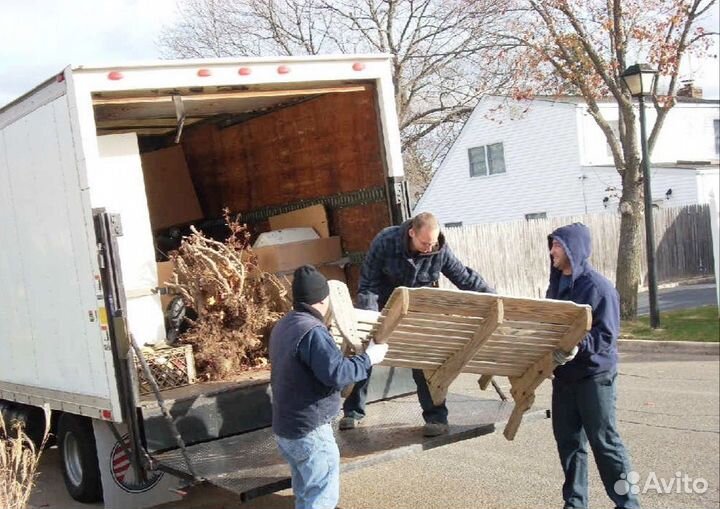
584	389
307	372
413	254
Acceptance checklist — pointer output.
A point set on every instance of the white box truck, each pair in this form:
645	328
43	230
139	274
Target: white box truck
101	168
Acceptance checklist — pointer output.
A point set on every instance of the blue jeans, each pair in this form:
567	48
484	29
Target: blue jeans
354	405
315	465
582	412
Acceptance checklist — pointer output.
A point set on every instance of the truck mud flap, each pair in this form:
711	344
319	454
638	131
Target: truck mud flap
249	464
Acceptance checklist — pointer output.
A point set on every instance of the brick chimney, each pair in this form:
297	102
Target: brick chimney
688	89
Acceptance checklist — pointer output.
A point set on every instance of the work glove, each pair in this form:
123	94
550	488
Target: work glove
561	357
376	352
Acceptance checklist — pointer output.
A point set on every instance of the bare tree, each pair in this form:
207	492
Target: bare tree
437	45
581	47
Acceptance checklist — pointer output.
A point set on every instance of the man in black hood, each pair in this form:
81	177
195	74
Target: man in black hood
584	392
413	254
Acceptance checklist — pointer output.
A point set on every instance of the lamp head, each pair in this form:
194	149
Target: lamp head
639	79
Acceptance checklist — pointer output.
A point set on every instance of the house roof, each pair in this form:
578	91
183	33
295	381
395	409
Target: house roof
577	99
677	165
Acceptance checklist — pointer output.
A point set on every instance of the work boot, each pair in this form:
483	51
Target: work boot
435	429
348	423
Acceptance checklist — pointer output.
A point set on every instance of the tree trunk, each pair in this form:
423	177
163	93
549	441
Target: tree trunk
628	260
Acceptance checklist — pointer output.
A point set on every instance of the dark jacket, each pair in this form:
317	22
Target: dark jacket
389	264
307	373
597	353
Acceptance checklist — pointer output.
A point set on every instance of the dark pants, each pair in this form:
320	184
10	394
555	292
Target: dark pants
354	405
582	412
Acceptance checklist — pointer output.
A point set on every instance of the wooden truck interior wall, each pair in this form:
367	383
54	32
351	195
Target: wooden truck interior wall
312	149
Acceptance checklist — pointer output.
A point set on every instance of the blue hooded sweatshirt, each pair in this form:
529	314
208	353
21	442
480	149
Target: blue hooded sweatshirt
597	352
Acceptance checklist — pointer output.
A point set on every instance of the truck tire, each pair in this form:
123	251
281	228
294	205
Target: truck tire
4	408
30	418
78	457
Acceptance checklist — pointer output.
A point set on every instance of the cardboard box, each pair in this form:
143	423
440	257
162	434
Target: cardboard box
331	271
164	272
170	193
314	217
287	257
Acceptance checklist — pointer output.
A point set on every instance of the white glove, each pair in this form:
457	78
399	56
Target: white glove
560	357
376	352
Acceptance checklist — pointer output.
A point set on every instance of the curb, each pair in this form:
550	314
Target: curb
702	280
649	346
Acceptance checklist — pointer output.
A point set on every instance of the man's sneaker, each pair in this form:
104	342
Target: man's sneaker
348	423
434	429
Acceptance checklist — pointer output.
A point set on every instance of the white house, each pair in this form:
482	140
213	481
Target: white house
548	157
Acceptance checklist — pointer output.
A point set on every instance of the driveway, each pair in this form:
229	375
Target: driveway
669	417
680	297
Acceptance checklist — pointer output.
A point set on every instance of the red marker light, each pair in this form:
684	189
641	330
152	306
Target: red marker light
60	78
106	415
283	69
358	66
244	71
204	73
115	75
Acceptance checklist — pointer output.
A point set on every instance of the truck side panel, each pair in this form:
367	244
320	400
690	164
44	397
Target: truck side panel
14	313
49	320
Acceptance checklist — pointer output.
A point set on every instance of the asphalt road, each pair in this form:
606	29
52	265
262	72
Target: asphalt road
680	297
669	417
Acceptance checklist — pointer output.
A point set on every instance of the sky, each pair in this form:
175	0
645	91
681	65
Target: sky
38	38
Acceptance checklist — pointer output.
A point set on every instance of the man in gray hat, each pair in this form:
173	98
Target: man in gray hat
307	373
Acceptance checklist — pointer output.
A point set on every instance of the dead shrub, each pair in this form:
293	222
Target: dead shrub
19	459
236	303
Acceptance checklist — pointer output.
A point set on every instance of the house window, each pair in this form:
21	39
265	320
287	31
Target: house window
716	125
456	224
535	215
486	160
615	126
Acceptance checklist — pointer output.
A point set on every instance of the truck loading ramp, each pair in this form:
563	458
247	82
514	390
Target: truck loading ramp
249	464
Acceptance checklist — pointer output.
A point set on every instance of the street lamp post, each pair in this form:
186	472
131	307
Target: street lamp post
639	79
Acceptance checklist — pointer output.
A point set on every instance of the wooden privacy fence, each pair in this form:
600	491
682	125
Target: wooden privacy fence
514	258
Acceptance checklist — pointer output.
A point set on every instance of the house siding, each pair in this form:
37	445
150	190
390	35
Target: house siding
682	181
687	134
557	161
708	183
525	187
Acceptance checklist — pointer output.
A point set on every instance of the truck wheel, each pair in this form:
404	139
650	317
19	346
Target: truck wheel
4	409
30	418
78	454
